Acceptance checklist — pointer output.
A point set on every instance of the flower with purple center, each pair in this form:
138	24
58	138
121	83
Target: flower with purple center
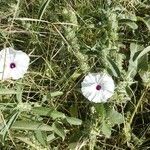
13	64
97	87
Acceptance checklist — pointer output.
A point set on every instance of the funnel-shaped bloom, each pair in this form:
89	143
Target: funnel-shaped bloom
13	64
97	87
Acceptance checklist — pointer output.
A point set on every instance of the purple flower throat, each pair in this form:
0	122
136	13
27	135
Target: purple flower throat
98	87
12	65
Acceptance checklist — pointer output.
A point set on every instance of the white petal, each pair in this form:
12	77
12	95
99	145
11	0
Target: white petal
99	77
5	74
17	73
4	52
106	78
98	97
88	90
109	87
4	71
89	87
107	83
90	78
22	59
8	56
107	94
88	84
92	95
7	52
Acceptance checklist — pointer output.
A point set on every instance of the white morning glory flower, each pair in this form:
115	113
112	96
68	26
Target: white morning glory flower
13	63
97	87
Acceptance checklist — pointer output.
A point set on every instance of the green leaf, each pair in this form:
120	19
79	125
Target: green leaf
127	16
100	109
106	129
129	91
114	117
30	143
41	137
145	75
72	146
75	75
138	59
30	125
114	68
143	63
44	111
7	91
73	121
50	137
8	125
73	110
56	114
133	64
142	53
19	93
57	93
146	21
43	8
59	130
130	23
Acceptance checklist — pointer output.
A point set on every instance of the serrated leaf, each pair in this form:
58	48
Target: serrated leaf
106	129
73	121
59	130
30	125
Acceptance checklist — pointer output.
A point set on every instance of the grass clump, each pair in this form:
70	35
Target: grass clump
66	40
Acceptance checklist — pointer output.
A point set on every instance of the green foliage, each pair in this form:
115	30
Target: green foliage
73	121
30	125
65	40
59	130
109	117
106	129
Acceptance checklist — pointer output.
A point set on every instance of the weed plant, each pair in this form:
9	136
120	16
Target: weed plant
66	39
